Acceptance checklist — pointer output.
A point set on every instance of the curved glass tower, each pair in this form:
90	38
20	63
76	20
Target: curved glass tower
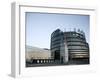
68	46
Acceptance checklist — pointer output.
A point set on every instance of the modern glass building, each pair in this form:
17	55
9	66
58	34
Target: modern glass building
71	45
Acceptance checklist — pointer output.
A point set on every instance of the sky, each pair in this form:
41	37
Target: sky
39	26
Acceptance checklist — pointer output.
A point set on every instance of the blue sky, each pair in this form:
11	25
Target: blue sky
39	26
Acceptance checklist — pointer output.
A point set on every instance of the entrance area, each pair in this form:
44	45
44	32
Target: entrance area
57	55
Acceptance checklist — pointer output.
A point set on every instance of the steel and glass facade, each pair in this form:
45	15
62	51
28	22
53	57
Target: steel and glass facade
76	44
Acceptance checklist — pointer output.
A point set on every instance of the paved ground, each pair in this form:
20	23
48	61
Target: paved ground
71	62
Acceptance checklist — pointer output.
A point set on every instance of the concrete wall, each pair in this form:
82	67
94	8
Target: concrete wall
37	53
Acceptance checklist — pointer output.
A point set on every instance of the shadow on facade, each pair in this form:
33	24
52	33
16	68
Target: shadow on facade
66	48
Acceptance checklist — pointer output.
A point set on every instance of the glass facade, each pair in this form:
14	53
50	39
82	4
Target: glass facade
76	43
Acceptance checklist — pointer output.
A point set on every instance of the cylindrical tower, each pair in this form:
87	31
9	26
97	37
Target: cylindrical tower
56	37
67	46
78	48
